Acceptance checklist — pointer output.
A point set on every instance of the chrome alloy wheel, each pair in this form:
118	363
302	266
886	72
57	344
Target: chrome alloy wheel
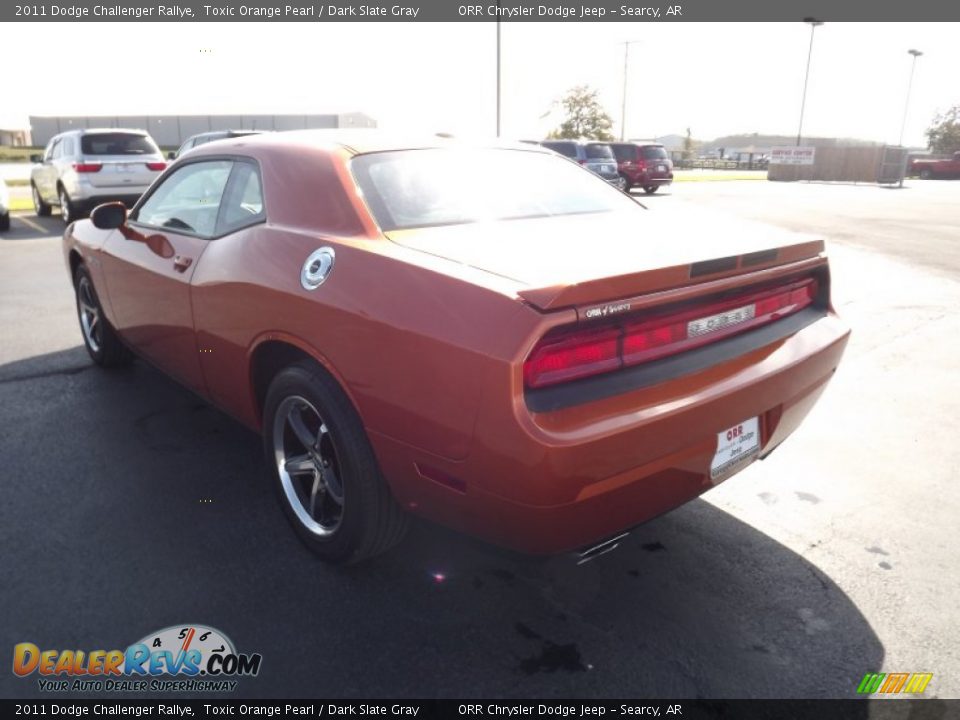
65	207
89	312
308	465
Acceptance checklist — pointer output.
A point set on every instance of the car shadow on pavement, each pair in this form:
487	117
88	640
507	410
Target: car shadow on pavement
637	194
29	226
131	505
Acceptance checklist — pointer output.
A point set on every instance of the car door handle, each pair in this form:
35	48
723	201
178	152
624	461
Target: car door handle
181	263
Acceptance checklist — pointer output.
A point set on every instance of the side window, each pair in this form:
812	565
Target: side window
189	199
243	202
53	152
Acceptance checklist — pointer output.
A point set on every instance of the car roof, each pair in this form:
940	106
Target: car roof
358	142
576	142
226	133
97	131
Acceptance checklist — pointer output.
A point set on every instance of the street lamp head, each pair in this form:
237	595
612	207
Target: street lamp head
915	53
813	21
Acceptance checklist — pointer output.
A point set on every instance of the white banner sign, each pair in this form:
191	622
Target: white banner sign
792	156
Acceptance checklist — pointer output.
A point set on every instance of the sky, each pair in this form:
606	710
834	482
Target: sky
715	78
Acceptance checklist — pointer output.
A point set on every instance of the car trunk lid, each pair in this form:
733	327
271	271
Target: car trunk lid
600	159
588	260
119	170
114	159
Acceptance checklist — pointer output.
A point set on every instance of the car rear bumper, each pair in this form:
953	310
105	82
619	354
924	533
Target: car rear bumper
609	177
555	482
649	178
90	202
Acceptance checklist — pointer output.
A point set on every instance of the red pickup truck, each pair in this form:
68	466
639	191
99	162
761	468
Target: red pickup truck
949	167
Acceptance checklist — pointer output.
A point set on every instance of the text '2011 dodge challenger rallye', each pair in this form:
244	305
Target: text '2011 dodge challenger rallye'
486	336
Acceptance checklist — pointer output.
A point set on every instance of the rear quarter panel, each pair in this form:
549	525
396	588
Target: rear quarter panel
408	339
411	346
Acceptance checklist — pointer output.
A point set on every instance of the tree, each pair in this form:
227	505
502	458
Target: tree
944	134
585	116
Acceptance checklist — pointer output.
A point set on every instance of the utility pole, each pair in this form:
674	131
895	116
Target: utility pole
814	24
623	109
498	68
906	104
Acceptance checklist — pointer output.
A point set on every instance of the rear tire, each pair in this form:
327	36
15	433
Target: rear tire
925	174
40	207
626	184
650	189
67	209
101	340
323	468
4	222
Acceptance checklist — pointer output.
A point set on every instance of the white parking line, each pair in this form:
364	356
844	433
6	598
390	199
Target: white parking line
30	223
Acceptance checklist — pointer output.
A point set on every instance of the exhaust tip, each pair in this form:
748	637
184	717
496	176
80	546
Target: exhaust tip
601	548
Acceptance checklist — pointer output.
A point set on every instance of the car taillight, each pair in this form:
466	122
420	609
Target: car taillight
582	353
156	166
573	355
87	167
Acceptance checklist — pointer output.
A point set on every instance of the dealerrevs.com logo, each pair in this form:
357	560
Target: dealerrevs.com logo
180	658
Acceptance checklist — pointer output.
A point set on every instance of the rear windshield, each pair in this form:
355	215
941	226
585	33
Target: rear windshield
599	151
117	144
653	152
564	148
425	188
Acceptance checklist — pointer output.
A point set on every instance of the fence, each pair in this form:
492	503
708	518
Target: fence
716	164
875	164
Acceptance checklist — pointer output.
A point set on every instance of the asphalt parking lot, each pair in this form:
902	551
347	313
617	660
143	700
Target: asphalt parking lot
130	505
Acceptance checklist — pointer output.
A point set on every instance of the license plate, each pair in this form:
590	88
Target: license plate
702	326
661	168
736	446
123	167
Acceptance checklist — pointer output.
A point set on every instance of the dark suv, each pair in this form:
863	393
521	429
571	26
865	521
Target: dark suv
643	165
596	157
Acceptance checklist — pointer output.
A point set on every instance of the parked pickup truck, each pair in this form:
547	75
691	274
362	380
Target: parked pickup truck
949	167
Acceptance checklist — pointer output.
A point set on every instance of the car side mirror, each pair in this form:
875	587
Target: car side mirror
171	155
36	158
109	216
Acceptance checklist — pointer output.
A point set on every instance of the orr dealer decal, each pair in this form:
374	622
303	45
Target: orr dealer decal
179	658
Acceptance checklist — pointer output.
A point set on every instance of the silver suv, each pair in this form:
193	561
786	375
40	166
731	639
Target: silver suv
82	168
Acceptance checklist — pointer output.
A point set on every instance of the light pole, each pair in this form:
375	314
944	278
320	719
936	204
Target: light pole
813	23
623	109
498	68
906	104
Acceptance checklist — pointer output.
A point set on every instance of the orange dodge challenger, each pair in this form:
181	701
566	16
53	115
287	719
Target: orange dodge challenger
488	336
